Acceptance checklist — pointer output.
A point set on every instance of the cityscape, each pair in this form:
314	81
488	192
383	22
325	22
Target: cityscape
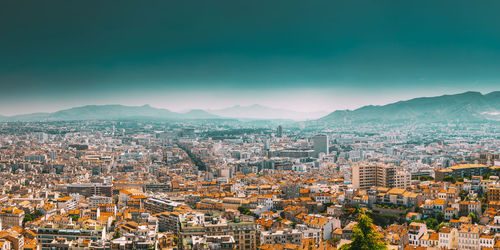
287	125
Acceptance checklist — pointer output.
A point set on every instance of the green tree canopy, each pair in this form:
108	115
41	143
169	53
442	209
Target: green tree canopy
473	217
440	217
75	217
432	223
450	179
364	236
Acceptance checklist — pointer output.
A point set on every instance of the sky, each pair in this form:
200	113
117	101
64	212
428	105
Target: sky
299	55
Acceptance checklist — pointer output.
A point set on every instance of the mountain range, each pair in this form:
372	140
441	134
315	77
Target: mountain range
111	112
257	111
468	106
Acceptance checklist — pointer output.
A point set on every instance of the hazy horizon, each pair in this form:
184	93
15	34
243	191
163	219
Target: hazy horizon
214	108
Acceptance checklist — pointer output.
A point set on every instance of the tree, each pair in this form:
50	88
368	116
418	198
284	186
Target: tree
334	241
117	235
423	178
244	210
473	217
462	195
450	179
484	206
37	214
431	223
440	217
75	217
31	217
282	214
418	209
382	219
195	159
364	236
27	218
440	226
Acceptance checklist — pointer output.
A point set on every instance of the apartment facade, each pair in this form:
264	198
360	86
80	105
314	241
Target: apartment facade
91	189
11	217
468	236
367	175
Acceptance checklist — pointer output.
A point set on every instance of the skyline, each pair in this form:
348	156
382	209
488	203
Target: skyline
319	56
270	103
465	106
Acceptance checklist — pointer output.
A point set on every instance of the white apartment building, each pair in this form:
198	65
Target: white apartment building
448	238
486	241
468	236
310	233
402	179
284	236
95	201
67	203
415	232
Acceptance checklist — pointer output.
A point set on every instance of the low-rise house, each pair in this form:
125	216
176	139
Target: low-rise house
284	236
397	236
450	213
310	233
467	207
486	241
325	224
135	237
221	242
415	232
348	230
14	238
67	203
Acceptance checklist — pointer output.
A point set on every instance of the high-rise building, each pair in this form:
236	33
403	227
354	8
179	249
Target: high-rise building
279	131
364	176
367	175
266	144
402	179
320	144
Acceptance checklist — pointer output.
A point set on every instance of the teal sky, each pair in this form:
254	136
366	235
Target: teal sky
301	55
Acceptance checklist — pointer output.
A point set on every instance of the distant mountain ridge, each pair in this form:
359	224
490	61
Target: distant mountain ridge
114	112
111	112
257	111
467	106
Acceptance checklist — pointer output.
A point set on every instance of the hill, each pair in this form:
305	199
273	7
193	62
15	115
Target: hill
111	112
262	112
465	107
